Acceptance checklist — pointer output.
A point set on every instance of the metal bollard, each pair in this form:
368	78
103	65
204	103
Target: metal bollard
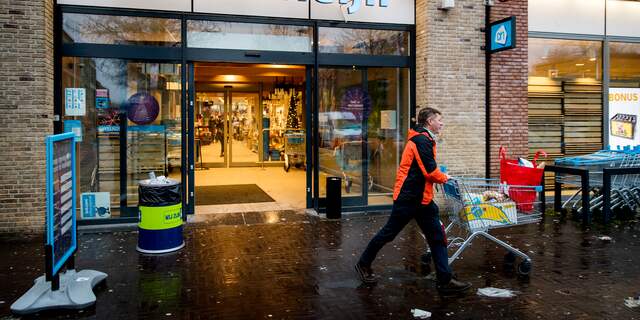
334	197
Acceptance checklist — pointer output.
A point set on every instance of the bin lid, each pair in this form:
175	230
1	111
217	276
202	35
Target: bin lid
147	183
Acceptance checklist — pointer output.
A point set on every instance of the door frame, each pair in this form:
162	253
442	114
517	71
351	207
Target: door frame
189	137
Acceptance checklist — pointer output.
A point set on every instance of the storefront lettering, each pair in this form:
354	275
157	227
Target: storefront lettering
624	97
356	4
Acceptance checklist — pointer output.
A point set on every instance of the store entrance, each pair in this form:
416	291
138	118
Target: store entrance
249	124
227	132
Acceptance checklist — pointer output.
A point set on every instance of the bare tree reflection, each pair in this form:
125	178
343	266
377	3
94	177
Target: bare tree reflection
122	30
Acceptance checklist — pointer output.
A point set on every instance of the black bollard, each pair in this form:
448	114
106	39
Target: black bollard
334	197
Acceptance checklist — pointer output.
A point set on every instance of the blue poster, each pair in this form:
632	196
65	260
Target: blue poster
74	126
503	34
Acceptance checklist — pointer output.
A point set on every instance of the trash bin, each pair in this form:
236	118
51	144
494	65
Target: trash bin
160	226
334	197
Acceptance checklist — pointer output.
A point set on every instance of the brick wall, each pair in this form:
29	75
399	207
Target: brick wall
450	77
509	71
26	111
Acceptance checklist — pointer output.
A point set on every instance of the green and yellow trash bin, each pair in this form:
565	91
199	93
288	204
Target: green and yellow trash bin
160	226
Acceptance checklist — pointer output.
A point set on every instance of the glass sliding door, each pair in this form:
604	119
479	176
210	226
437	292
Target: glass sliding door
341	141
387	127
362	124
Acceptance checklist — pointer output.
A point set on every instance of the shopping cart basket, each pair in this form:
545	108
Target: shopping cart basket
294	149
480	205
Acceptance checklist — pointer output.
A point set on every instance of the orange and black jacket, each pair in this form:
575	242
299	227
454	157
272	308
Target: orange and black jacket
418	170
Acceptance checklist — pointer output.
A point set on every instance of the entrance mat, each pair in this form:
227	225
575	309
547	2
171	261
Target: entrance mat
229	194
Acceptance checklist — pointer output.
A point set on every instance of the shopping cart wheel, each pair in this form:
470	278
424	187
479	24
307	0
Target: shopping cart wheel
287	165
524	268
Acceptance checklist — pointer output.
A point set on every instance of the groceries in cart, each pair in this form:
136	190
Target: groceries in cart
478	205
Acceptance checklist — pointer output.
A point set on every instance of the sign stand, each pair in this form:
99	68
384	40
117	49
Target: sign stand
70	289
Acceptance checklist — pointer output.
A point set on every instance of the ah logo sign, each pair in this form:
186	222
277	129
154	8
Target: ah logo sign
356	4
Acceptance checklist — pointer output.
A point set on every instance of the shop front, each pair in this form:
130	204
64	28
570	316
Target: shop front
220	95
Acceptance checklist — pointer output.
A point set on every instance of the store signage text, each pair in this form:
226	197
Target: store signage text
624	97
356	4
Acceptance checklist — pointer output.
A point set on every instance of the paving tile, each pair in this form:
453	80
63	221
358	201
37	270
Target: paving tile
288	265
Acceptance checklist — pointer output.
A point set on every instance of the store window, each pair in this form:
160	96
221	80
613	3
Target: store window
248	36
624	65
126	30
128	120
362	129
565	96
624	95
363	41
387	126
343	103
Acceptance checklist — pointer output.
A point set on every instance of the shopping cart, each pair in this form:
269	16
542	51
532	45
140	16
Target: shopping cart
625	189
479	205
294	149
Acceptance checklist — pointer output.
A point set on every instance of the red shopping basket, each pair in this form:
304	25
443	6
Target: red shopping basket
514	174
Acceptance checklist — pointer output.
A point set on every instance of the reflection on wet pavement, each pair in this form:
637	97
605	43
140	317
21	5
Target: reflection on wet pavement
296	266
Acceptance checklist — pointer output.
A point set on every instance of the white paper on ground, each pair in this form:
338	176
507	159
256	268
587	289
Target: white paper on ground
420	314
632	302
496	292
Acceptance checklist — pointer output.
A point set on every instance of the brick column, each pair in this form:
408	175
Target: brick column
26	111
450	76
509	72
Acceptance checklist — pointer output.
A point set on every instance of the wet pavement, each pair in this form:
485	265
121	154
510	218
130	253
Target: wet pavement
289	265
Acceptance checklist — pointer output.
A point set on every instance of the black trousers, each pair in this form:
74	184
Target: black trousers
428	219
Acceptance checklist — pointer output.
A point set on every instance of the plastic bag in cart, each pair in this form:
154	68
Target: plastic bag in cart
513	173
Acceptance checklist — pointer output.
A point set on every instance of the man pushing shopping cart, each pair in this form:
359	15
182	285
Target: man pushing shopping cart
413	199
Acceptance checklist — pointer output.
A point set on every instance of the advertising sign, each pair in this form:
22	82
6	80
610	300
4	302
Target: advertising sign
503	34
74	126
624	110
388	119
75	102
102	98
95	205
61	198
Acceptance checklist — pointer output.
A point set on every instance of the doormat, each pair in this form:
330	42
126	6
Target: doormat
230	194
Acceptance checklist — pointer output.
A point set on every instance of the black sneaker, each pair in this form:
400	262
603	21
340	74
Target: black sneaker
454	286
365	274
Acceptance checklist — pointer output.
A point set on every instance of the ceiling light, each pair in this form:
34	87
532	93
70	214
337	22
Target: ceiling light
579	64
592	59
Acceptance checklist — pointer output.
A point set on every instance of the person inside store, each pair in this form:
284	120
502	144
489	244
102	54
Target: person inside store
216	126
413	199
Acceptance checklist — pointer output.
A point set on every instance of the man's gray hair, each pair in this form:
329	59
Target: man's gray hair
425	113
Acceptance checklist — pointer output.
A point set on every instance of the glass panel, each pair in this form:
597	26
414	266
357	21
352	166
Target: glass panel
148	95
209	127
343	104
565	97
363	41
388	124
565	59
243	124
103	29
248	36
625	64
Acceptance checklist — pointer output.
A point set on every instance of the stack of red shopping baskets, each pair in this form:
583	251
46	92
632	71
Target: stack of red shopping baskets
512	173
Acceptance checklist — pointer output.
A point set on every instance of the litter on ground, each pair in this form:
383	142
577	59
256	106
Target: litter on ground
420	314
496	292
